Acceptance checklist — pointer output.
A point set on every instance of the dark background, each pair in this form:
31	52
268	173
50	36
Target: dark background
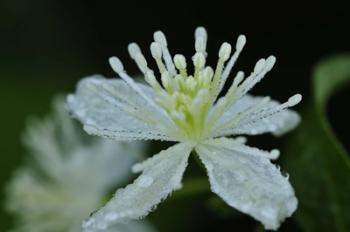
47	46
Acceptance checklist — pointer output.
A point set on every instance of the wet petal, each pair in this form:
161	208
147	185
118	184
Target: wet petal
248	181
133	226
110	108
277	123
161	175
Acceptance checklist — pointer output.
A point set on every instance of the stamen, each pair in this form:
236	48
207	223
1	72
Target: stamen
152	81
241	41
259	65
230	95
136	54
167	82
259	114
180	63
238	79
118	67
191	84
224	54
207	75
225	51
295	99
160	38
133	50
261	68
156	51
200	36
116	64
198	62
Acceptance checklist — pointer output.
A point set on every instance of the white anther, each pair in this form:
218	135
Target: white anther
238	78
295	99
198	60
200	36
259	66
208	71
270	62
200	32
241	41
180	61
133	50
225	51
116	64
156	50
200	45
160	38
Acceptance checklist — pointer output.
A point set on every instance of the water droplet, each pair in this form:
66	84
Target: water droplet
144	181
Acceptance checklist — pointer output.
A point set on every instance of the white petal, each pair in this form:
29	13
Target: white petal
278	123
248	181
110	108
133	226
161	175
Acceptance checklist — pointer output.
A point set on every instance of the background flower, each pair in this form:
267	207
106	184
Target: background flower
68	175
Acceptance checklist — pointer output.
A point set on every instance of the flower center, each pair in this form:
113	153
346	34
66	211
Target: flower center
186	99
189	102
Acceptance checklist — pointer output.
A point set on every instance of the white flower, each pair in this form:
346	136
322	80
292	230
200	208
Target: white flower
186	108
71	176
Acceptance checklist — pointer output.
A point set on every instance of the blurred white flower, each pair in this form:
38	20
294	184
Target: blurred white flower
186	109
70	176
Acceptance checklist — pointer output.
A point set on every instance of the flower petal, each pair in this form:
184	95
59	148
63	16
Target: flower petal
248	181
161	175
133	226
277	123
110	108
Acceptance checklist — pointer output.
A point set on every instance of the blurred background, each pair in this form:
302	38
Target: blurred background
47	46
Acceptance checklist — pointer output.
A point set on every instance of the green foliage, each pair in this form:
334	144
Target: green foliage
316	161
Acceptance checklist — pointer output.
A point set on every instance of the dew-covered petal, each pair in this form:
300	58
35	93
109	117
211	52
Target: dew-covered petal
133	226
161	175
110	108
248	181
277	123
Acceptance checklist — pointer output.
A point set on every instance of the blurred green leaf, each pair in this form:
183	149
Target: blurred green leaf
317	162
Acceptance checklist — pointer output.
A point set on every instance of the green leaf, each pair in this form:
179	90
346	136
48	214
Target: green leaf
318	164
